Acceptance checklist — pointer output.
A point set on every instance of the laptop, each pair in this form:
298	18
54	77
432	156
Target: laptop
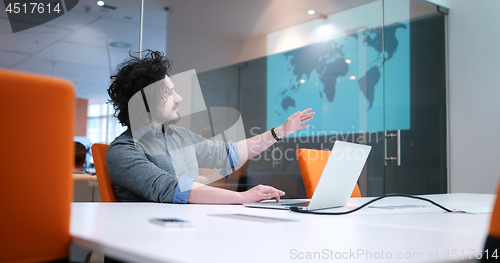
335	186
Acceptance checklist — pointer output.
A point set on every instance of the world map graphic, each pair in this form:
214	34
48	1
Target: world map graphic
333	75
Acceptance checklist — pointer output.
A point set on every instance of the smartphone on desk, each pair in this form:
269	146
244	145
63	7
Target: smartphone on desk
171	222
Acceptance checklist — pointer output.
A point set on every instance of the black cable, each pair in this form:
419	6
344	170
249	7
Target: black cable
296	209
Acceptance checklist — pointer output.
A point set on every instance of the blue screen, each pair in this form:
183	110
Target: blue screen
342	80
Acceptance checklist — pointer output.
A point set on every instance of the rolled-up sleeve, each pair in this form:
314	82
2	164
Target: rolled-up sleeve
233	159
215	154
182	190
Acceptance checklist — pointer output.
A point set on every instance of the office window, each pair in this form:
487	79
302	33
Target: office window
102	126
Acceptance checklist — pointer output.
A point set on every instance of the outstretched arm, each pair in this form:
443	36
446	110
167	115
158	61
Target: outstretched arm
253	146
249	148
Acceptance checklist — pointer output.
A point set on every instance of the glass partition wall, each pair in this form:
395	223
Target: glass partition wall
374	74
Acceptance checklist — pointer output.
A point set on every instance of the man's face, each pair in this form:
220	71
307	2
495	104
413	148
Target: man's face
169	109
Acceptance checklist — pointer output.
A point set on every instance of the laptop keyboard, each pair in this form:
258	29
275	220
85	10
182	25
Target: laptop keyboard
297	204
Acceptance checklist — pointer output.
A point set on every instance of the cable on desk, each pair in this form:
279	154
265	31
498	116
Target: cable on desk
297	210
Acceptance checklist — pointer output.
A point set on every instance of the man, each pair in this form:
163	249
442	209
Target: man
157	161
80	155
85	188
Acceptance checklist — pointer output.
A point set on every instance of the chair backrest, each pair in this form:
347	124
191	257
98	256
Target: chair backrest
493	240
107	189
36	162
311	164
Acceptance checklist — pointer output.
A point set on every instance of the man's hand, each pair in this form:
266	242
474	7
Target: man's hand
251	147
295	122
259	193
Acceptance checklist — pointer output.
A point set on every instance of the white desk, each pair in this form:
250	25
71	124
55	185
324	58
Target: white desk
122	230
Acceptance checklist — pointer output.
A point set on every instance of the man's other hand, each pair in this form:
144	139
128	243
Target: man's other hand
260	193
295	122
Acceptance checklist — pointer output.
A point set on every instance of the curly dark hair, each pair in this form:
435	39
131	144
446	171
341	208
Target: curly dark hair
133	75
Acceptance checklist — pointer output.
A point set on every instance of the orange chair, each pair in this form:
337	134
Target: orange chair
107	189
36	160
311	164
493	240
